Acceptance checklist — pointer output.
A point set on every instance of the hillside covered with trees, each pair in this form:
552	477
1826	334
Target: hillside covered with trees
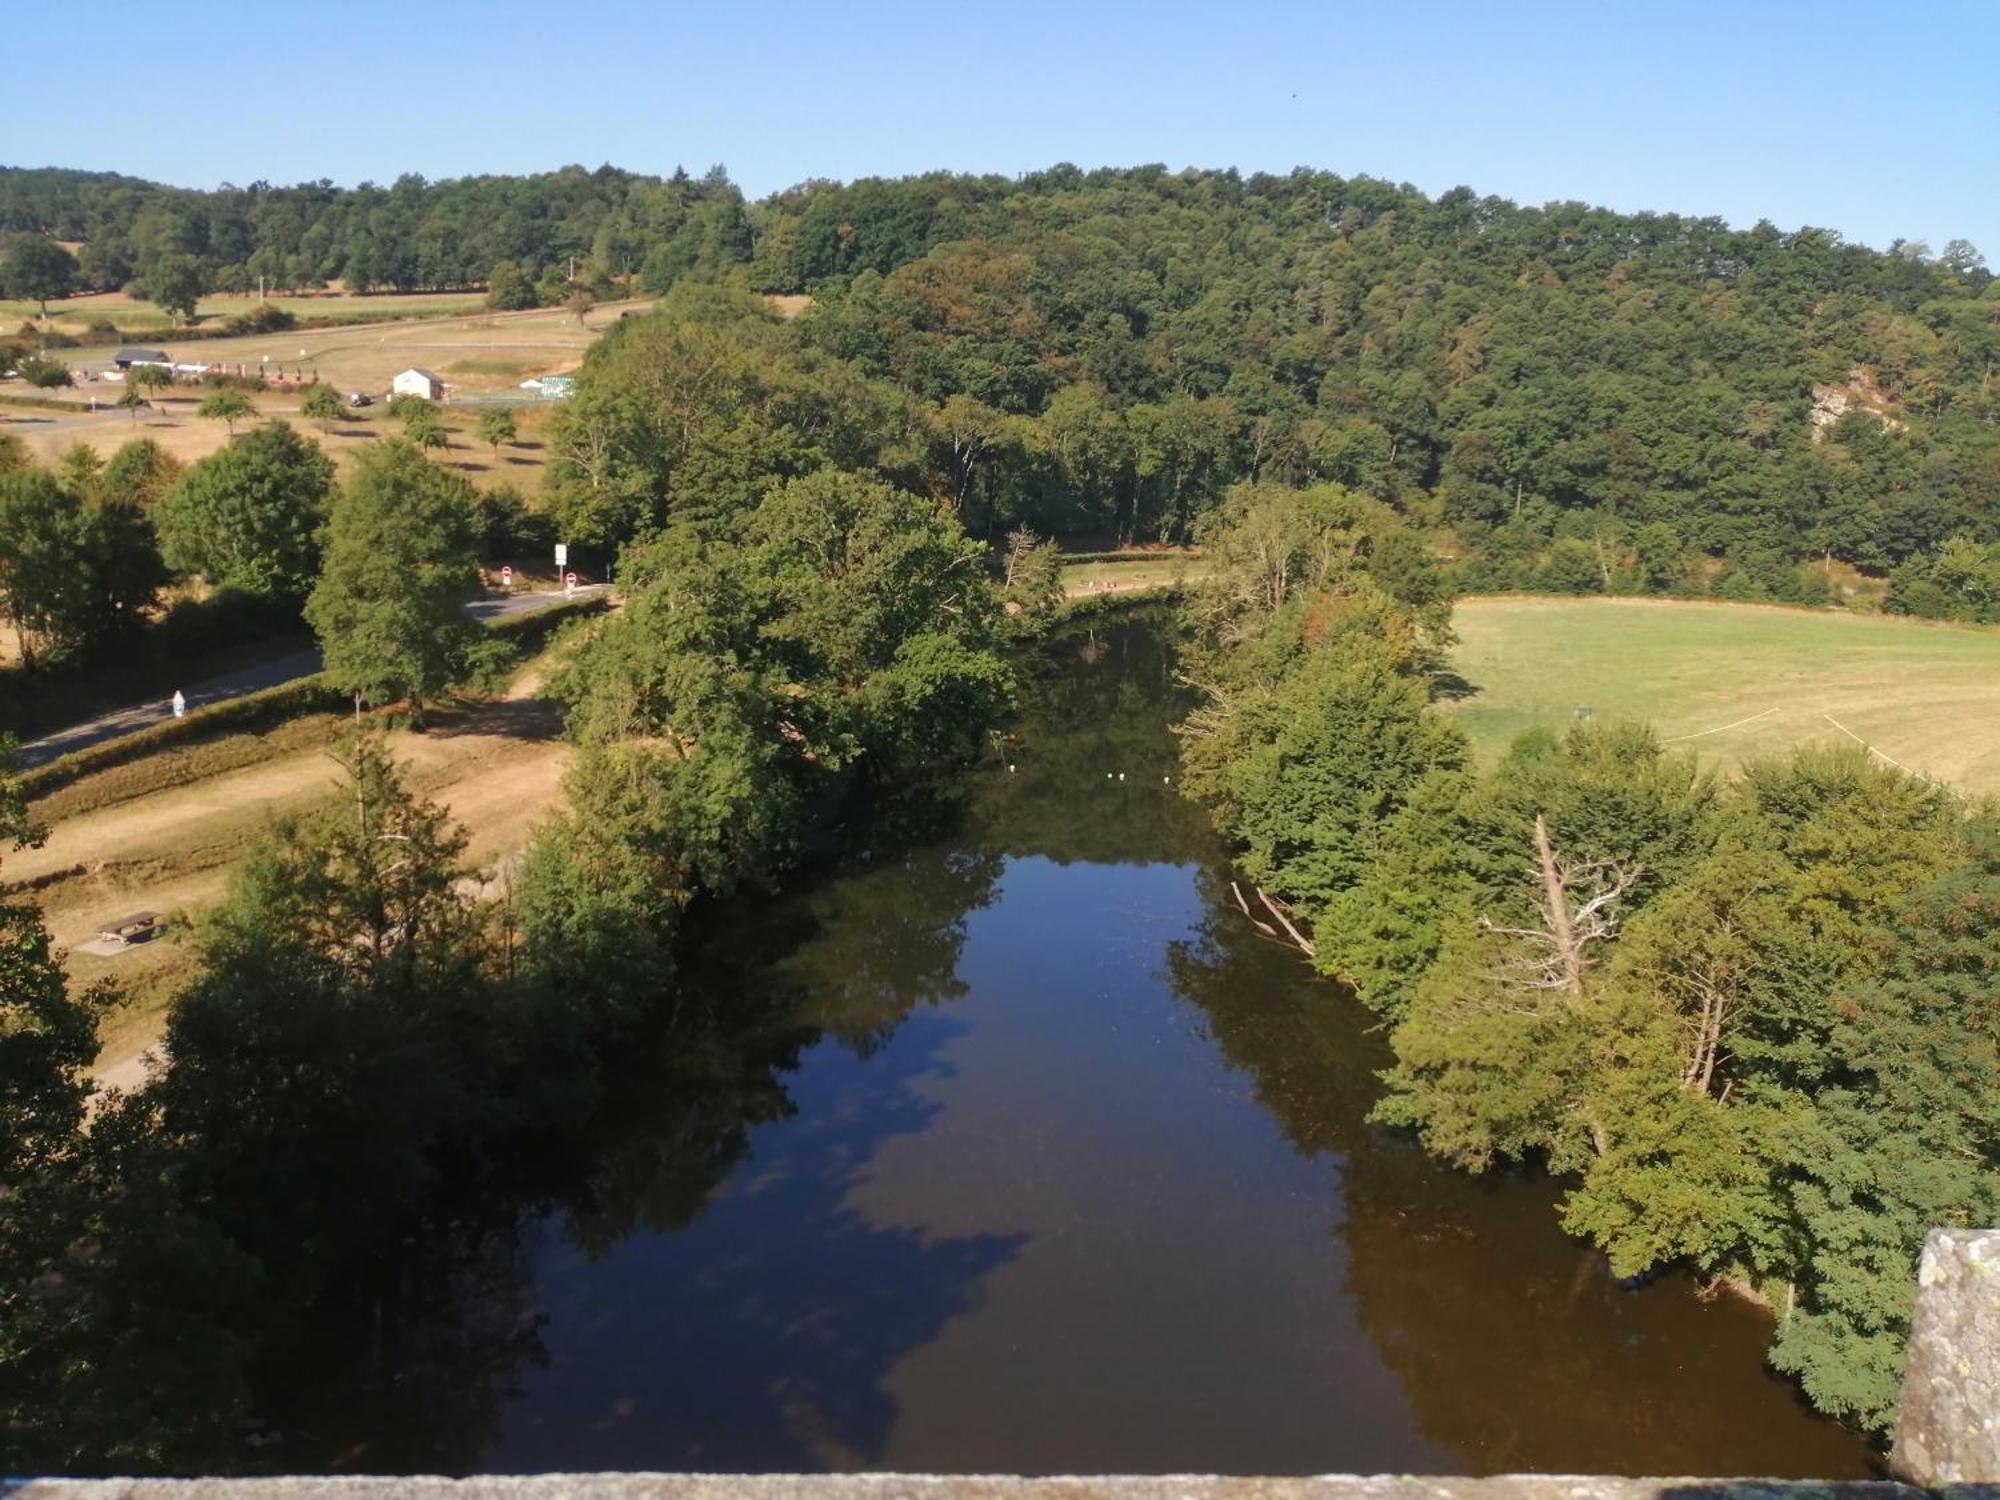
1584	400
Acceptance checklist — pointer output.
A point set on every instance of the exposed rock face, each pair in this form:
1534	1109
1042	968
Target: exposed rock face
1860	394
1949	1428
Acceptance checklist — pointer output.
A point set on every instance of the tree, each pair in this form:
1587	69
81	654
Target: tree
248	518
1031	571
509	288
174	284
141	471
423	427
36	269
149	377
497	426
228	406
131	400
322	405
401	560
73	574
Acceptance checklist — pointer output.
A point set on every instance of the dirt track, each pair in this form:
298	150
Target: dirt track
496	766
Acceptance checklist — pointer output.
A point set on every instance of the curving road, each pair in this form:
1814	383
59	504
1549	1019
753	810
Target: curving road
109	726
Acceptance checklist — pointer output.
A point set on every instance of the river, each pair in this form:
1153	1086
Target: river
1022	1151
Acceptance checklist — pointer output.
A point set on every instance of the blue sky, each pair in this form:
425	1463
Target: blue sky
1877	120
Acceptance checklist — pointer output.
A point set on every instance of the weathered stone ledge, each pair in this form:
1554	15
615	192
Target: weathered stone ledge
972	1487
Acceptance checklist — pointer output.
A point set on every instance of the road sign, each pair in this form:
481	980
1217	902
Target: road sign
507	577
569	580
562	554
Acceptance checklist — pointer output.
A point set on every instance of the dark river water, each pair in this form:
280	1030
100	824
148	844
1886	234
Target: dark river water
1022	1151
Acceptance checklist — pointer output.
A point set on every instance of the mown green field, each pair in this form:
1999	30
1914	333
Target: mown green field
1735	681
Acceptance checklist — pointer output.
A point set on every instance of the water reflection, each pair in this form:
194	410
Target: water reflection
1024	1152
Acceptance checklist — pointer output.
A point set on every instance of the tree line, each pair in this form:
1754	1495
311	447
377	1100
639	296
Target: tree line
1750	1023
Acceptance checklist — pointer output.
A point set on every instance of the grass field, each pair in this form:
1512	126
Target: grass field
1736	681
1118	577
73	315
482	353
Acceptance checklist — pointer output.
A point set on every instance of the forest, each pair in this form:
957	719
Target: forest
1567	398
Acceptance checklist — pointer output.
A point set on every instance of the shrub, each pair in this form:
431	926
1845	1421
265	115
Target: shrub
264	319
48	374
250	713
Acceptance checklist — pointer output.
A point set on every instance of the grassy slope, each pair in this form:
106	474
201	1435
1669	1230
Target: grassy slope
1928	696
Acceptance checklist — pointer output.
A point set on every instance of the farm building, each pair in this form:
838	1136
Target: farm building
415	382
126	358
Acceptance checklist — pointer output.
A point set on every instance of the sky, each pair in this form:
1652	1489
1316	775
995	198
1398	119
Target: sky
1879	120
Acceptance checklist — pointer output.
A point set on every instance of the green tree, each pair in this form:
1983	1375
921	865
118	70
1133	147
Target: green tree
36	269
424	428
497	426
141	471
174	284
509	288
73	573
401	560
248	518
322	405
1031	572
227	406
150	378
132	401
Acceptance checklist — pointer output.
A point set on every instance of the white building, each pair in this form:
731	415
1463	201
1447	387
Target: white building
415	382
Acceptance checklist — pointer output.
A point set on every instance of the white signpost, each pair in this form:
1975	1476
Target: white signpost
562	554
507	578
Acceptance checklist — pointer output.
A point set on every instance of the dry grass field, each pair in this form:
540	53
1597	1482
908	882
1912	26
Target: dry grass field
480	354
480	351
175	427
73	315
497	766
1736	681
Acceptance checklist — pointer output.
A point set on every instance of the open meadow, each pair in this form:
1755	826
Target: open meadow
74	315
485	354
1735	681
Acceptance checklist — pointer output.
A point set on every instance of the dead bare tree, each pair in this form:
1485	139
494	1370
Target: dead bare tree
1578	908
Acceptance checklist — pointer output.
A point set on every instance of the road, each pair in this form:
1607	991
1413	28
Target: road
109	726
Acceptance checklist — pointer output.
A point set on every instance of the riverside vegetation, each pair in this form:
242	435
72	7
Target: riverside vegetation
1752	1023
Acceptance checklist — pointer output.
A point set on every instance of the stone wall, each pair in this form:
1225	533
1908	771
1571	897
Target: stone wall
1949	1432
950	1487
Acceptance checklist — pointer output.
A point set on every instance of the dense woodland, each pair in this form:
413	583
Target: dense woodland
1569	398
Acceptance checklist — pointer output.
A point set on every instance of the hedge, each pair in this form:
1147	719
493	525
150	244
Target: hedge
269	707
250	713
1163	554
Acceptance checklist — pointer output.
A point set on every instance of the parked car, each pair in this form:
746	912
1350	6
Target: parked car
359	399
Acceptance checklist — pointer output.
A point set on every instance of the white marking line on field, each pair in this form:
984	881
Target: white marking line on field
1719	728
1920	775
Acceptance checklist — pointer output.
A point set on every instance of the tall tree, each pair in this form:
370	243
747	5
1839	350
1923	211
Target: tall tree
401	561
36	269
248	518
174	284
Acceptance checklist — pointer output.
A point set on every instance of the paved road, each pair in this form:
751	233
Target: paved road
110	726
